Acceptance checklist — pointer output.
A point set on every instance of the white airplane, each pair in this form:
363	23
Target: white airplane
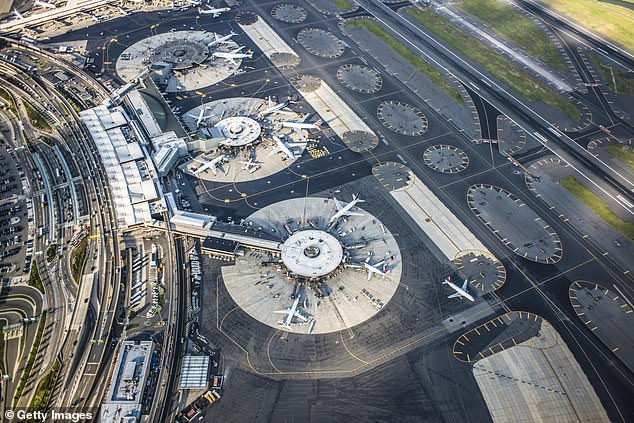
344	210
285	147
230	56
95	18
378	268
276	108
44	4
290	313
195	2
210	164
218	39
215	12
201	116
17	14
251	165
123	11
460	291
302	123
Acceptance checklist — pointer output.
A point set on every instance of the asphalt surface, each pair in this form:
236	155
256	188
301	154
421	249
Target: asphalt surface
444	389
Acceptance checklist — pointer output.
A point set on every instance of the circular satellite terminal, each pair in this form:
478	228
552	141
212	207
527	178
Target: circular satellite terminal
394	176
239	131
446	158
289	13
181	54
310	274
360	141
481	269
312	253
320	43
360	78
306	83
285	60
246	18
402	118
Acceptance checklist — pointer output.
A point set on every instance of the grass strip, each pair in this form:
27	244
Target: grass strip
342	4
599	206
499	67
617	81
623	152
29	362
422	66
77	259
44	389
2	368
515	27
36	118
34	278
609	20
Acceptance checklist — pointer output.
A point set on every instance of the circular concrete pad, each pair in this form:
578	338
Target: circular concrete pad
246	18
320	43
239	130
394	176
312	253
285	60
515	224
178	45
289	13
446	158
347	298
360	78
402	118
306	83
360	141
481	269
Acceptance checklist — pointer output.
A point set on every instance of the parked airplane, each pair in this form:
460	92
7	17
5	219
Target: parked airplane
460	291
251	165
285	147
44	4
195	2
230	56
276	108
123	11
378	268
290	313
215	12
218	39
210	164
17	14
201	116
344	210
95	18
302	123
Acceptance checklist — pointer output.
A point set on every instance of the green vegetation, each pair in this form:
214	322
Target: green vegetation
29	362
36	118
34	278
414	60
599	206
623	152
161	297
342	4
617	81
51	252
7	98
606	19
131	326
77	259
514	26
501	68
44	389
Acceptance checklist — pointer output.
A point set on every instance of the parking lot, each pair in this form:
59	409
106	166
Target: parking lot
15	248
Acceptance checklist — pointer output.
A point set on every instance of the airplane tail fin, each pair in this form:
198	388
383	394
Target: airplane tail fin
318	124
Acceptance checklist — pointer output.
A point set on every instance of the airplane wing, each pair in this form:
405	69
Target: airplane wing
216	14
304	118
369	274
300	316
456	295
381	263
282	311
338	204
349	213
229	59
464	285
238	50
